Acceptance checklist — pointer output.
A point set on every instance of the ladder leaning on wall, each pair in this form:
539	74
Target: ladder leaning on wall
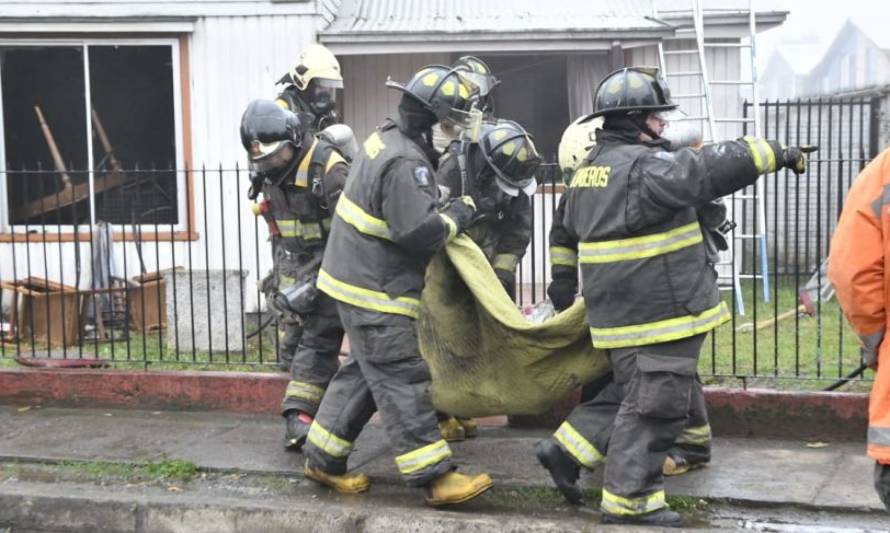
753	196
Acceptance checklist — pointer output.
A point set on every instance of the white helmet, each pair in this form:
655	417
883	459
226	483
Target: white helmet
315	63
577	141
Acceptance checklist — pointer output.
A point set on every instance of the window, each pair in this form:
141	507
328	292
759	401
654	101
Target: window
90	132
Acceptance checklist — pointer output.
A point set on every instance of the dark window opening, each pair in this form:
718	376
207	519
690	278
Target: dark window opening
133	125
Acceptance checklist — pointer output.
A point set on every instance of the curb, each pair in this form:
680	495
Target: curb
733	412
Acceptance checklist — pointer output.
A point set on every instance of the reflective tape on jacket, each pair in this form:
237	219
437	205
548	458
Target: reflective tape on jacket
696	436
764	157
560	255
359	219
304	391
640	247
577	446
424	457
660	331
301	230
366	298
328	442
614	504
506	262
878	436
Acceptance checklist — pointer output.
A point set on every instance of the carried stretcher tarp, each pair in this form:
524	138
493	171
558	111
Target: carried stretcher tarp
485	357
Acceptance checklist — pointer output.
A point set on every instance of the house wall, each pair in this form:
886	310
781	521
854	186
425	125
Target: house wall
852	62
232	58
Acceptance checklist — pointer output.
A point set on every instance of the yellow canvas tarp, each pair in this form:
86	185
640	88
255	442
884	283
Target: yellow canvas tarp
484	356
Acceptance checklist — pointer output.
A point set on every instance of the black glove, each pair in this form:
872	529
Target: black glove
508	281
461	211
562	292
794	158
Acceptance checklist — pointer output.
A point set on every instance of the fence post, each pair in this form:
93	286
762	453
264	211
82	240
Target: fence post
875	140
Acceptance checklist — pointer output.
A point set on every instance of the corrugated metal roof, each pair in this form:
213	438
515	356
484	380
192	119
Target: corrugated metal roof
490	16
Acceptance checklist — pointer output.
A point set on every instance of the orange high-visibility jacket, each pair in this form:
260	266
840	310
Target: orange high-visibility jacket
860	249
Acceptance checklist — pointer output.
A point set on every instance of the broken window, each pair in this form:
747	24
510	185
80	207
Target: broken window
89	129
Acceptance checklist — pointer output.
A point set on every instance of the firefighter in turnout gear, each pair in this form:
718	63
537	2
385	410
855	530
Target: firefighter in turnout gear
386	228
629	219
303	176
692	448
498	172
311	88
857	268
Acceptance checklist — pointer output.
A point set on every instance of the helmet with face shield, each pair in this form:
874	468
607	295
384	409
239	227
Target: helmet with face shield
317	76
442	92
476	73
273	138
510	153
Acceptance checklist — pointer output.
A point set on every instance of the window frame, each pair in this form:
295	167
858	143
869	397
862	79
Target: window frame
184	230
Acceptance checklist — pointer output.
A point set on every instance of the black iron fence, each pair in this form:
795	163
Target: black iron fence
112	268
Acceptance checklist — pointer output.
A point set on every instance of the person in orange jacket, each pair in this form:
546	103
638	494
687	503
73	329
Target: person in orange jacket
856	269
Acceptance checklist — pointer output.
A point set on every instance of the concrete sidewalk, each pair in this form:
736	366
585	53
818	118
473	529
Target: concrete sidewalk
832	477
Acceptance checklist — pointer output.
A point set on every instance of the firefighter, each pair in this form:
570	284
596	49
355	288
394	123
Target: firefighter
477	74
692	449
387	227
311	88
856	268
302	178
629	218
498	172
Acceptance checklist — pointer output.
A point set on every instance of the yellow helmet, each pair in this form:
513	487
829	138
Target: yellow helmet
577	141
315	63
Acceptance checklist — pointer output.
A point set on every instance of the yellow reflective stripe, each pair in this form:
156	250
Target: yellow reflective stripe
326	223
298	229
764	158
697	436
505	262
660	331
579	447
640	247
366	298
285	281
304	391
327	441
333	159
302	178
356	217
424	457
614	504
560	255
450	226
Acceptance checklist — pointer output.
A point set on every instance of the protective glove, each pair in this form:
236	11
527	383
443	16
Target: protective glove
794	158
562	292
508	281
461	211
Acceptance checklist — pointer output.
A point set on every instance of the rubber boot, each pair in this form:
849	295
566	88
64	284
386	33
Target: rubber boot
296	429
563	469
453	487
452	430
350	483
675	465
471	428
663	517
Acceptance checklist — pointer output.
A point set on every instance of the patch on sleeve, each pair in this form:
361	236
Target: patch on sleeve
667	156
422	176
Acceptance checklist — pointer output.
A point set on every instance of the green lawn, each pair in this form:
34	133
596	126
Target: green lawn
801	352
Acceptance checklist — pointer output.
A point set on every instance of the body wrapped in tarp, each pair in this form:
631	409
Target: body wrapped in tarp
484	356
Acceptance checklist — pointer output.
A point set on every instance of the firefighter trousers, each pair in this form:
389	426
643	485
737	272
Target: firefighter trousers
634	421
316	358
384	373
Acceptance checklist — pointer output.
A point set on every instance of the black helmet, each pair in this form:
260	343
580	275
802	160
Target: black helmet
272	137
510	151
632	89
476	73
442	91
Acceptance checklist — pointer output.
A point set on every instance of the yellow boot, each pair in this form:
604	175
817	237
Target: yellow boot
452	430
453	487
351	483
471	428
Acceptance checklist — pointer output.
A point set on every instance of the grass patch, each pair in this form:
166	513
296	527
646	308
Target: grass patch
172	470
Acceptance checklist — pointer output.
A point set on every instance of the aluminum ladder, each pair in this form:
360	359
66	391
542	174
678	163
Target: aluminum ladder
753	195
